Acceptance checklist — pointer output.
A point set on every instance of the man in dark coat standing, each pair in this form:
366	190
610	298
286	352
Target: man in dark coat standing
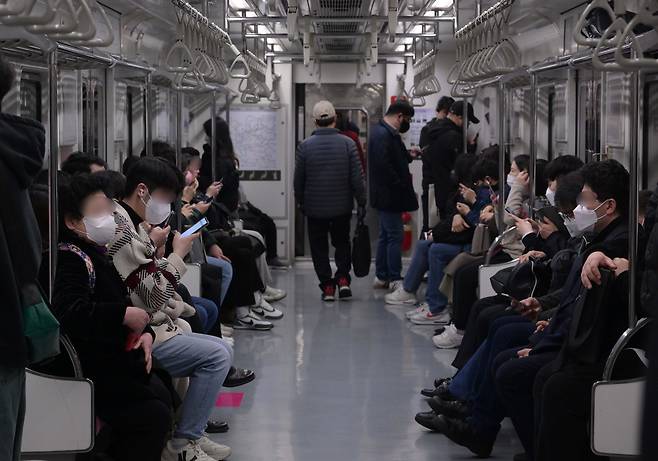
328	178
391	189
21	156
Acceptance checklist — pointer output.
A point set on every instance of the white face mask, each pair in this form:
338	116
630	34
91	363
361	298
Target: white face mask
585	218
550	196
511	179
156	210
101	229
572	228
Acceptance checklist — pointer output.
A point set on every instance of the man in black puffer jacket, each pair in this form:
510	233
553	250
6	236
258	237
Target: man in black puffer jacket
22	146
328	178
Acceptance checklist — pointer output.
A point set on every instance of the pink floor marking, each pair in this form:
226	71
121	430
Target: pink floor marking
229	399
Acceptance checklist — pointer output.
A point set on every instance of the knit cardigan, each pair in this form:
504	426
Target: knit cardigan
151	281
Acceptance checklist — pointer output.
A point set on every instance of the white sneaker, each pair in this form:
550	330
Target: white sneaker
227	331
191	451
229	341
251	321
427	318
379	284
214	450
395	285
400	297
451	338
266	310
272	294
421	309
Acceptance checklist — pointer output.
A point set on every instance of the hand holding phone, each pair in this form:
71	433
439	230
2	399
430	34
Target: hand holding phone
196	228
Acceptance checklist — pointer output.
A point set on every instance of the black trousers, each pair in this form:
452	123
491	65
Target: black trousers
562	412
465	285
339	230
425	205
482	314
246	278
515	378
266	227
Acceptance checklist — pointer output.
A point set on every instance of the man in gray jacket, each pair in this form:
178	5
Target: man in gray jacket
328	178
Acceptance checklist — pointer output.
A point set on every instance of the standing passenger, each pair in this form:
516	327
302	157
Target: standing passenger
328	178
391	190
21	155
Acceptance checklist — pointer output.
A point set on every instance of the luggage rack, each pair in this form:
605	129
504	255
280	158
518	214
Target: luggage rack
68	57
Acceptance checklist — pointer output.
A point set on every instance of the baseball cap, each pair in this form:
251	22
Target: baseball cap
458	109
324	110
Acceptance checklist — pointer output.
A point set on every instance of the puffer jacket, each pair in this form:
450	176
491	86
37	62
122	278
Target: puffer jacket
328	175
649	290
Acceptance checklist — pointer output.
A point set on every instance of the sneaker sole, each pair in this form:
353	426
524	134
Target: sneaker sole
447	346
410	302
253	327
429	322
329	299
344	294
267	314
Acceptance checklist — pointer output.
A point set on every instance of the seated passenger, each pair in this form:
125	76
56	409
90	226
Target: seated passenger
152	184
112	338
452	237
82	162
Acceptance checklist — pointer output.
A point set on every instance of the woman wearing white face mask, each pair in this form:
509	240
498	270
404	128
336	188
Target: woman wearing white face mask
113	338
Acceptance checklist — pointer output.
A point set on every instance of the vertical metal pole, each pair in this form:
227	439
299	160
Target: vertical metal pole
465	125
148	122
213	135
603	115
636	113
501	154
179	129
204	8
53	165
478	8
532	173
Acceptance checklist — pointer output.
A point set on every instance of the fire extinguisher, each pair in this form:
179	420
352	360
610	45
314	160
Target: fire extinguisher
407	234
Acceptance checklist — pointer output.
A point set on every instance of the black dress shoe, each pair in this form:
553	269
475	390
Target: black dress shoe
443	391
520	457
239	377
216	427
429	420
463	433
439	381
450	408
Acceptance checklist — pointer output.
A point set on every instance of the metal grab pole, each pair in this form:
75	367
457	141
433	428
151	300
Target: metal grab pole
213	135
532	164
53	165
636	106
148	133
465	125
179	149
501	154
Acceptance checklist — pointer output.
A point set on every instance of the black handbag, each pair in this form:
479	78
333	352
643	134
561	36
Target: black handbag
527	280
361	253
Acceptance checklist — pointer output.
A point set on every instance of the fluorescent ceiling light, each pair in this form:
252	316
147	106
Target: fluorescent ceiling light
261	29
417	29
407	40
251	14
277	48
239	4
443	3
401	48
272	41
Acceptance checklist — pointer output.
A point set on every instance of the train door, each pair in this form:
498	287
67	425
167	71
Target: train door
362	107
93	113
650	133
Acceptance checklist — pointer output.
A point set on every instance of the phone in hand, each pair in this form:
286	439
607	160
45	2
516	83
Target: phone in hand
196	228
509	211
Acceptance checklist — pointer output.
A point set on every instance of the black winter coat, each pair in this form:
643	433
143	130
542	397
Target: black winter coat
93	320
649	290
391	186
445	141
227	172
21	156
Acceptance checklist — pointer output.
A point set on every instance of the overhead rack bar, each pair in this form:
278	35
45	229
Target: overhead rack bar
342	19
488	14
337	35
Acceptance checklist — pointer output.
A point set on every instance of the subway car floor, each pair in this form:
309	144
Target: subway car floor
338	381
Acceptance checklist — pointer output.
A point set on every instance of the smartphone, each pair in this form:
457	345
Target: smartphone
508	211
196	228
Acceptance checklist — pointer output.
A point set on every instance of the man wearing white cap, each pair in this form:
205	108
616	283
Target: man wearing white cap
328	178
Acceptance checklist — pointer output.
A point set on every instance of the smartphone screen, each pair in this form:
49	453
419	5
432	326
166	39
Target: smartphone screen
510	212
197	227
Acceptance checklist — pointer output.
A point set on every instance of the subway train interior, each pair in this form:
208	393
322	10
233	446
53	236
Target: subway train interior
309	230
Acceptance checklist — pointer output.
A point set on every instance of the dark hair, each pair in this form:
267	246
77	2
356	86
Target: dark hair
81	162
569	187
7	77
128	163
114	183
187	159
191	151
463	171
445	103
325	122
562	165
608	179
163	150
541	183
485	167
156	173
72	192
400	106
522	162
224	141
643	201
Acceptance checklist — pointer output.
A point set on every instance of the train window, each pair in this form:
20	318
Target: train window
30	96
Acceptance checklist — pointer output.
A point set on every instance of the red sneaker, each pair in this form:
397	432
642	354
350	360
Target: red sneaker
329	293
344	290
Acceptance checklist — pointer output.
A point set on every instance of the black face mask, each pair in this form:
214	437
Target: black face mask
404	126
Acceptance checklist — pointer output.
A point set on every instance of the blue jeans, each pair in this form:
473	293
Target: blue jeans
440	255
388	263
206	360
207	311
12	411
227	276
419	265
